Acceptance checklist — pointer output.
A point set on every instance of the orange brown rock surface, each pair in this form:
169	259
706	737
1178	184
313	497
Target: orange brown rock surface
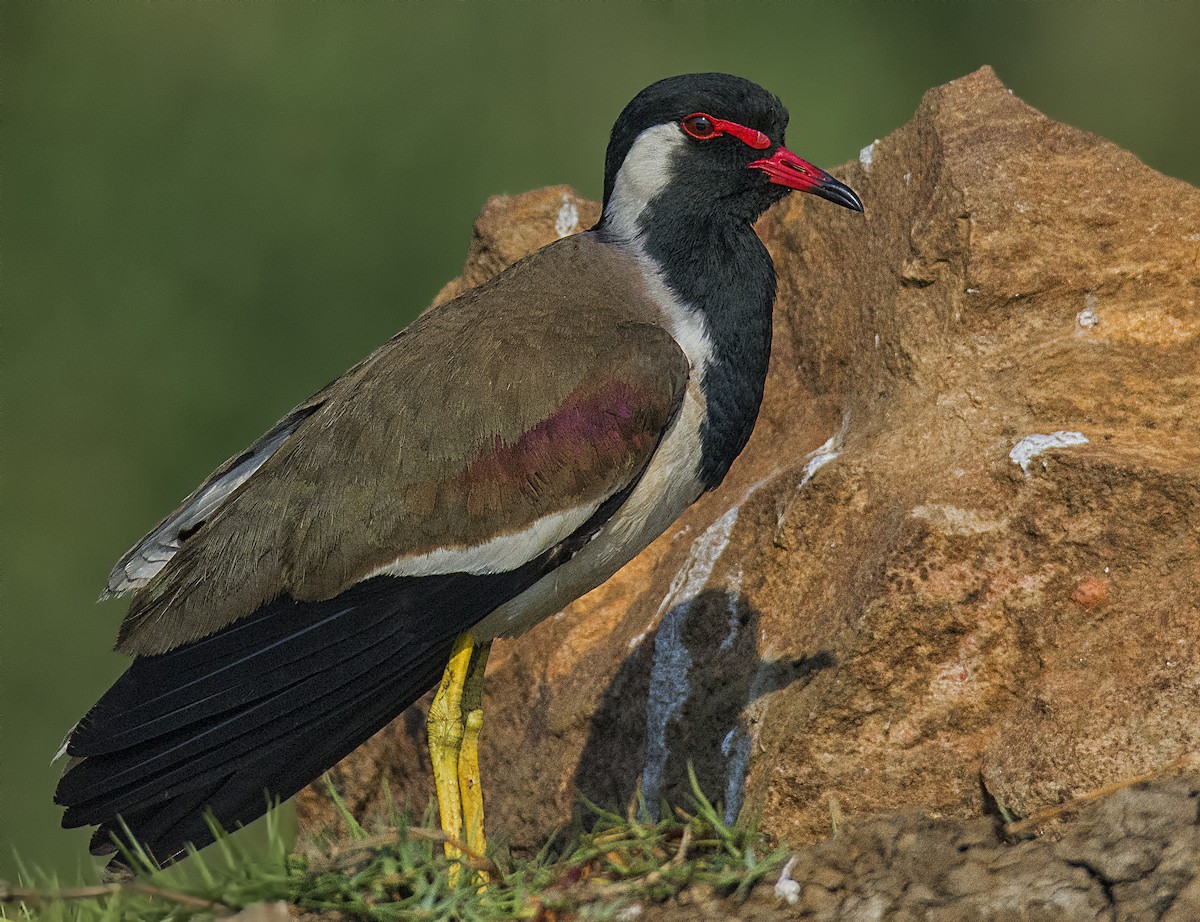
880	607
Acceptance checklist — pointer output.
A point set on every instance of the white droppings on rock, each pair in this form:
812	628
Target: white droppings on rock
669	684
736	749
637	639
727	742
1033	446
786	888
829	451
668	691
568	218
733	591
1087	318
813	462
867	155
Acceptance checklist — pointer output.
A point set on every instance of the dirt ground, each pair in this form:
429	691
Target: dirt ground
1132	857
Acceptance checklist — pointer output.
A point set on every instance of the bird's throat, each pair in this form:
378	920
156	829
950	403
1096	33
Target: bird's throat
721	280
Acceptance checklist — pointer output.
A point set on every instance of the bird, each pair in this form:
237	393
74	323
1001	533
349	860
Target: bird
502	455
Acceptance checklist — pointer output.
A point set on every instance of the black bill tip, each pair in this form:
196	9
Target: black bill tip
837	192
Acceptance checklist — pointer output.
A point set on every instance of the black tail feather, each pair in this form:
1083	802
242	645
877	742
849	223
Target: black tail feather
252	676
261	709
242	727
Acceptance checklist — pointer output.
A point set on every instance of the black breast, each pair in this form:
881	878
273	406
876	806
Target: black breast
726	275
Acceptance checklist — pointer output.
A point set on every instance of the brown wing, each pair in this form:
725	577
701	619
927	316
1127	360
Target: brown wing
508	412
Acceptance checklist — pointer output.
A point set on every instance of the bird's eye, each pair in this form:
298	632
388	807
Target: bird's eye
699	126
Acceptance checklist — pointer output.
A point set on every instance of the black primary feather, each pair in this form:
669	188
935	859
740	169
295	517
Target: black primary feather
258	710
261	709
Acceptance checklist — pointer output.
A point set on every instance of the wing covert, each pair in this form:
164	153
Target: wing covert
143	561
478	437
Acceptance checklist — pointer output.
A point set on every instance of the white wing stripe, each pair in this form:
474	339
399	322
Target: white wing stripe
497	555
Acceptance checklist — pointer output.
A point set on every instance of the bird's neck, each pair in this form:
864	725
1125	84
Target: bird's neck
719	284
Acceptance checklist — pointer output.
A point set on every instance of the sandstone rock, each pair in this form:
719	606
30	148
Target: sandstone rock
897	597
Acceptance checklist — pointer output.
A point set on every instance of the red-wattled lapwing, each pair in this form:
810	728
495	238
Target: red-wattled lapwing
504	454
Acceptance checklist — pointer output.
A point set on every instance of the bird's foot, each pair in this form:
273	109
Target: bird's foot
454	722
469	781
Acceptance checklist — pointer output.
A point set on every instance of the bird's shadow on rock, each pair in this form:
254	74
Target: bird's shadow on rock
681	698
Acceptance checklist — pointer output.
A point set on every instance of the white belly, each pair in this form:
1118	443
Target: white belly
670	484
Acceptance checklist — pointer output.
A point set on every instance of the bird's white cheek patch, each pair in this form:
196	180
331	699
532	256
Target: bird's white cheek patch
497	555
647	169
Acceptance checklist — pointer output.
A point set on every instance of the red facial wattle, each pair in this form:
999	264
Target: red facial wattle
786	169
783	167
716	127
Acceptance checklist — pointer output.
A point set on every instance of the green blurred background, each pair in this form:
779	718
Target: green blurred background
212	209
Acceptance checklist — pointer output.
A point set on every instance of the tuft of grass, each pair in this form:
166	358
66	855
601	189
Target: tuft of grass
398	871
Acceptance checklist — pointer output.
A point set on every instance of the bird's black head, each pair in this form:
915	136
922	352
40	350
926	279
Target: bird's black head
709	146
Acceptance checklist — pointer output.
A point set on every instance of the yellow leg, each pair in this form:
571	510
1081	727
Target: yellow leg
445	727
454	721
469	782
